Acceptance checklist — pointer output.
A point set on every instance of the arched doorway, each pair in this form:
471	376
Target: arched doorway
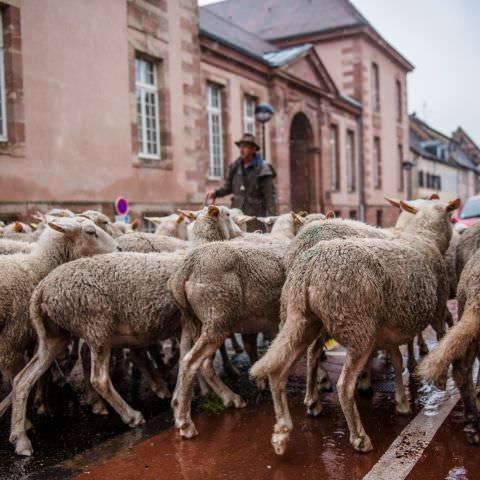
301	169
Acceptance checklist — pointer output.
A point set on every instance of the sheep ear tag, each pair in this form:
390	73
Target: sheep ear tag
18	227
180	219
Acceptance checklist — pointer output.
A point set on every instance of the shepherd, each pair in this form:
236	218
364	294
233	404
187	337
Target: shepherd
249	180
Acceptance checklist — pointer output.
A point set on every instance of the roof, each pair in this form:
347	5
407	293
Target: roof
420	132
275	20
232	36
225	32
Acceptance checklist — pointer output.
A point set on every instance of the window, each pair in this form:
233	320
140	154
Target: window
399	101
333	150
377	163
400	168
379	215
350	158
352	214
249	104
148	135
215	132
375	88
3	116
420	179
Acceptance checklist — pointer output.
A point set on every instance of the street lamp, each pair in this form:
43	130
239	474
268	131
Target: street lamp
408	165
264	113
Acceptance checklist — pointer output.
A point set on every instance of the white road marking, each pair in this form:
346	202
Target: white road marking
405	451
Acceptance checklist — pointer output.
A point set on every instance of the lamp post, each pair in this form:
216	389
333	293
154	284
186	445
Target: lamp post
408	166
264	113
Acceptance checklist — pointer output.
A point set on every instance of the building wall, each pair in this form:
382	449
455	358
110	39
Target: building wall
349	62
80	120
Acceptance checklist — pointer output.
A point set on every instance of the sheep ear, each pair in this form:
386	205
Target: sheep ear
188	213
434	196
241	219
453	205
407	207
155	220
180	219
81	215
213	211
302	213
39	216
297	218
135	224
62	226
393	202
330	214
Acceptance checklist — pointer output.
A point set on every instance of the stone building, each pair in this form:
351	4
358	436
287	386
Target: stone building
144	99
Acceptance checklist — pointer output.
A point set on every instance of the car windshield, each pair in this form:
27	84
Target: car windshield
471	208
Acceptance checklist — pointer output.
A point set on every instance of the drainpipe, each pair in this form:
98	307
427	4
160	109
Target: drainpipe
360	179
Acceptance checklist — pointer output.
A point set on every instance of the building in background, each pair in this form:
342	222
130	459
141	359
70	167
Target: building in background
442	164
144	99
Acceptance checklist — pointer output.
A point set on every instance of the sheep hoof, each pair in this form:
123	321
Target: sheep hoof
314	408
403	408
235	401
188	430
280	438
261	383
23	446
472	433
136	420
163	392
441	382
99	408
325	385
362	444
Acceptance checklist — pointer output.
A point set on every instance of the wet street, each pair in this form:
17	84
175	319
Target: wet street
74	443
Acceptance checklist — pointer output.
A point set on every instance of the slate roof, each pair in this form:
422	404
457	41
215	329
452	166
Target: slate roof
274	19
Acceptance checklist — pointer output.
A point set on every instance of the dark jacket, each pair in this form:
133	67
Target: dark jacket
252	188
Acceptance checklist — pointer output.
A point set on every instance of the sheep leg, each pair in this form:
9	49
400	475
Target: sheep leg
402	404
236	346
463	376
296	342
365	379
182	396
229	368
100	379
91	396
316	377
229	398
5	403
346	396
146	367
412	362
250	342
48	349
422	346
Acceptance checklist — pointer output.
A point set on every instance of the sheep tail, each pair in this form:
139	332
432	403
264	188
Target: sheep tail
177	281
452	346
37	313
283	347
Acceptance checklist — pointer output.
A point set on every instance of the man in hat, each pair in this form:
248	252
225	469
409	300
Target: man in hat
250	180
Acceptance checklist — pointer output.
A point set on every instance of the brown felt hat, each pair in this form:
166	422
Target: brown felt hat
248	138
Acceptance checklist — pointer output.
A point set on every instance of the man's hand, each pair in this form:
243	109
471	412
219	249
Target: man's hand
210	195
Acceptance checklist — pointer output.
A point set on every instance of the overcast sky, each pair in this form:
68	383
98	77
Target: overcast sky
442	39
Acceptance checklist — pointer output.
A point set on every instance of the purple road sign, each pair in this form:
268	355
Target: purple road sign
121	206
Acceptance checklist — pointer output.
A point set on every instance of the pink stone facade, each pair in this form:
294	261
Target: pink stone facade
72	114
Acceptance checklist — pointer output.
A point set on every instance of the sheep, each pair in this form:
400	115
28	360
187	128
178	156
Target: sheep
18	227
150	242
461	346
174	225
221	288
359	290
8	246
65	240
113	300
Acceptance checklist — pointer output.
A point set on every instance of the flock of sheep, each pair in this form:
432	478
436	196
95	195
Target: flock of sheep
80	285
